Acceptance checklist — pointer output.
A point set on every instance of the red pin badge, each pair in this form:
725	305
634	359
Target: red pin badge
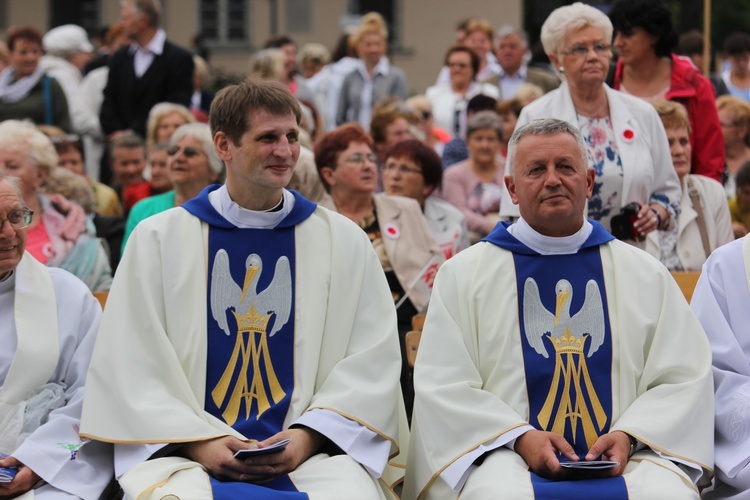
392	231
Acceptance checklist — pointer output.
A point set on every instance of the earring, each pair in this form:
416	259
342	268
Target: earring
561	69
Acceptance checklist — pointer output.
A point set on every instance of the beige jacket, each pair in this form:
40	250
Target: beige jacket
718	223
409	246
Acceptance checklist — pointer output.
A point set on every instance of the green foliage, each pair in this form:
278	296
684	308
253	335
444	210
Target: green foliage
728	16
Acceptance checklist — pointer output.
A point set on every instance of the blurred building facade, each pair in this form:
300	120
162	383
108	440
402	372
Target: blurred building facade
422	30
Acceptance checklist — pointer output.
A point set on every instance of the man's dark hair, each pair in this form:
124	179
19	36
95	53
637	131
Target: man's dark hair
127	141
743	175
278	41
481	102
737	43
690	42
230	110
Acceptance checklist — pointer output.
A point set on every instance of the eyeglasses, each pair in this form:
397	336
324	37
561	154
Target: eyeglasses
188	151
359	159
18	219
457	65
601	49
402	169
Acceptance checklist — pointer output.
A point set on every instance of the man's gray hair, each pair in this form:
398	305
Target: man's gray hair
544	126
564	20
151	9
14	183
507	30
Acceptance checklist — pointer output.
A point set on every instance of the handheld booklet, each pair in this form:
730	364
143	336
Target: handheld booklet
590	465
274	448
7	473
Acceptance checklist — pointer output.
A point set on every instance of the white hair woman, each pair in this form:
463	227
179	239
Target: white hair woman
60	234
192	164
626	142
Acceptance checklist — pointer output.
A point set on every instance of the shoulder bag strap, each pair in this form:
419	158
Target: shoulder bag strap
695	199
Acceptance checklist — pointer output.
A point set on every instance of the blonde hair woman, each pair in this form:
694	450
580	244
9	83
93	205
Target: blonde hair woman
374	78
163	119
704	223
734	118
267	64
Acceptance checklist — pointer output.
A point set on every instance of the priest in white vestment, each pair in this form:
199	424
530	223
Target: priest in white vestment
722	303
246	317
557	362
48	323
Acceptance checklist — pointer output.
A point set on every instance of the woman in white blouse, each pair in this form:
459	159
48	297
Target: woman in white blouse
704	224
626	142
449	99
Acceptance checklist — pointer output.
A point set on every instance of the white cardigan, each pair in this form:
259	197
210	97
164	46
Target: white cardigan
646	163
718	223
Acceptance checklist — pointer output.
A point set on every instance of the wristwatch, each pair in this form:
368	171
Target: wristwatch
633	444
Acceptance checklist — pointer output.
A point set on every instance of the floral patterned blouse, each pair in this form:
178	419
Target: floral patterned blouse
668	249
605	201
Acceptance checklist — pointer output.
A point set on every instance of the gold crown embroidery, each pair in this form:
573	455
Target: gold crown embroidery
251	349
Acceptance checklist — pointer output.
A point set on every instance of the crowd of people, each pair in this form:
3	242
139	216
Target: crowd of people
483	202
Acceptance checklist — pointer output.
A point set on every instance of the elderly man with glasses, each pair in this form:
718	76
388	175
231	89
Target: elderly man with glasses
49	320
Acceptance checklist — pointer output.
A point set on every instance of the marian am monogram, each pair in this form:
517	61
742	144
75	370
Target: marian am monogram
569	337
252	311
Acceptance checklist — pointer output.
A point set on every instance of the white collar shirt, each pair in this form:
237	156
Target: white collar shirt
365	110
509	84
144	56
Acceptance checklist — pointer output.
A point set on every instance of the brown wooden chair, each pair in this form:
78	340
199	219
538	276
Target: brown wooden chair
413	337
686	281
101	297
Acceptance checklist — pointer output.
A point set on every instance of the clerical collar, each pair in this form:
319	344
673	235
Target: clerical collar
550	245
8	283
244	218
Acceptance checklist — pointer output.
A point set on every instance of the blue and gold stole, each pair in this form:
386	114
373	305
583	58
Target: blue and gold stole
567	352
250	365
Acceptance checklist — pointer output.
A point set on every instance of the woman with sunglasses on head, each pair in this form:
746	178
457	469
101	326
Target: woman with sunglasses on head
625	139
397	229
192	165
647	68
434	136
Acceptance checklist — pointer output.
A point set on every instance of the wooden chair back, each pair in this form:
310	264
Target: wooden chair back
413	337
101	297
686	281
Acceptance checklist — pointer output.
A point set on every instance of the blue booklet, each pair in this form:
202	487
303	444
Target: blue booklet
7	473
